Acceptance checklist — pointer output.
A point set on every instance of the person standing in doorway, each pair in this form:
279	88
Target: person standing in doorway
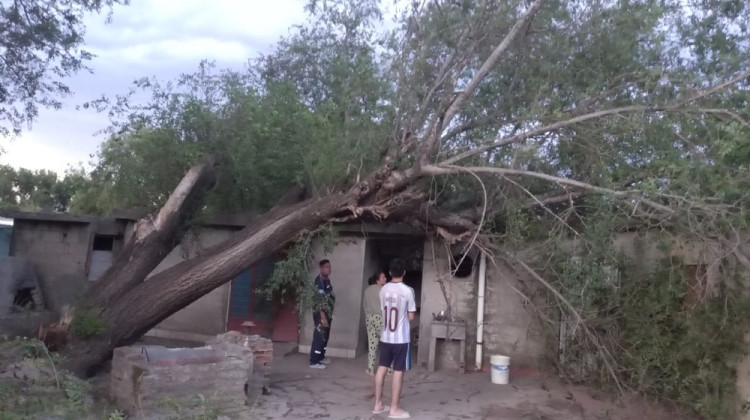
373	318
322	316
398	306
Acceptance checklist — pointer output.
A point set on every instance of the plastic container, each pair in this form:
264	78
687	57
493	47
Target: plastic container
500	368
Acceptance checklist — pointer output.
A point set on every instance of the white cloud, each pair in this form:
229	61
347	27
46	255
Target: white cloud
161	38
224	30
31	152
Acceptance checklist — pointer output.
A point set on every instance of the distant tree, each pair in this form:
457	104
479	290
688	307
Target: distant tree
40	46
41	190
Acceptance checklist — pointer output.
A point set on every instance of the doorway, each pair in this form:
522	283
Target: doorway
380	251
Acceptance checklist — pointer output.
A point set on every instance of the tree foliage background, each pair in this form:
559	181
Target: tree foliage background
41	44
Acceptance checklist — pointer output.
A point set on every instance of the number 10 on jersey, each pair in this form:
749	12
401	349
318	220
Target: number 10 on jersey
390	318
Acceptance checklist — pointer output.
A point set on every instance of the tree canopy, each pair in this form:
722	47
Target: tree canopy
41	190
643	102
40	45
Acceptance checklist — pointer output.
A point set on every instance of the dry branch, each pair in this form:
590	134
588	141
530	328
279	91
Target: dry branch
452	169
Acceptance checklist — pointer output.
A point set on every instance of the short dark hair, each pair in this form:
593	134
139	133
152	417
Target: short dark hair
324	262
373	279
397	267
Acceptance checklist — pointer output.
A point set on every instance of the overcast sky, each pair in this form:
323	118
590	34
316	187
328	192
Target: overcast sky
161	38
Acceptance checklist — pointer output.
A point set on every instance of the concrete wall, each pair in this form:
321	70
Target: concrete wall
347	277
371	263
206	316
59	252
5	234
510	328
441	291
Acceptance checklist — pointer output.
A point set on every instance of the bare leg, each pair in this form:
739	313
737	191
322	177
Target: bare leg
379	382
397	382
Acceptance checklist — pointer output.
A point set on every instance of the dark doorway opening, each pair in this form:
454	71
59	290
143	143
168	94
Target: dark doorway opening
381	250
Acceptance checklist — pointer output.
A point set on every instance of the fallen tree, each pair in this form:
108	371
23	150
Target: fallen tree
449	124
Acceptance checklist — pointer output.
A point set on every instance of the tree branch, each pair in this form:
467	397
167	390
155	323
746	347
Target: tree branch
451	169
678	106
487	66
606	356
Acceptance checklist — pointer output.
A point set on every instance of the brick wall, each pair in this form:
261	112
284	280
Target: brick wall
169	385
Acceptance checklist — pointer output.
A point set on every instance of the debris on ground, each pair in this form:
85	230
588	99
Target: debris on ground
32	386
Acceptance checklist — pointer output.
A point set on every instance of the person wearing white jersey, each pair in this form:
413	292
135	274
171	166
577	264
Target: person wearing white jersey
398	306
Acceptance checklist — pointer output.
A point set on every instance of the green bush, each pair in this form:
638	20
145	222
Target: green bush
679	350
87	323
664	342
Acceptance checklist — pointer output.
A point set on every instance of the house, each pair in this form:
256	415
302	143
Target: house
69	250
363	249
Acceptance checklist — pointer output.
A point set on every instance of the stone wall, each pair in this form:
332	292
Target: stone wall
153	381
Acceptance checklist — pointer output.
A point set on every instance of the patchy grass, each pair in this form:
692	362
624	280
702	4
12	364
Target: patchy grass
198	407
86	322
32	387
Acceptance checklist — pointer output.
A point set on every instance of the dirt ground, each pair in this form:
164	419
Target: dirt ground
344	391
30	388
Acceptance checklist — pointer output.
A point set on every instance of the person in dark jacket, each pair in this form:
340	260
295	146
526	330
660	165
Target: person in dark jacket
322	316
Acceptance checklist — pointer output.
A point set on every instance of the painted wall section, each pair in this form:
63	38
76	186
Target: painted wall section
348	280
206	316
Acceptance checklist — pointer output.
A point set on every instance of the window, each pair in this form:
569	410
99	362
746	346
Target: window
103	243
101	255
462	265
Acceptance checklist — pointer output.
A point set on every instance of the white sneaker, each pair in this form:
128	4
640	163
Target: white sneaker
318	366
325	361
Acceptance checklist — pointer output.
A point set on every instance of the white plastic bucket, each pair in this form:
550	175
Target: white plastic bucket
500	368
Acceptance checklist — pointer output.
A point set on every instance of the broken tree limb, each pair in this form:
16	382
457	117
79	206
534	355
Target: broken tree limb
606	356
452	169
148	303
154	236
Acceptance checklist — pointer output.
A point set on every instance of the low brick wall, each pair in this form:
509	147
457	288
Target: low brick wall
261	348
151	381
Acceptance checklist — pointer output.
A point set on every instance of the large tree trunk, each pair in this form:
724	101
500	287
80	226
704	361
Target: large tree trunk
154	237
146	303
130	305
